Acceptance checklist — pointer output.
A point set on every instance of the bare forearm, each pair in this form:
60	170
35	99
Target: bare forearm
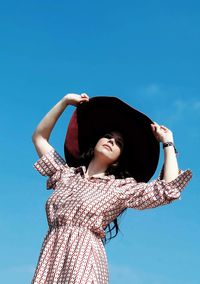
46	125
170	167
170	164
42	132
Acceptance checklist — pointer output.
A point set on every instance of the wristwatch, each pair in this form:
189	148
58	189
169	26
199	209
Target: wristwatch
166	144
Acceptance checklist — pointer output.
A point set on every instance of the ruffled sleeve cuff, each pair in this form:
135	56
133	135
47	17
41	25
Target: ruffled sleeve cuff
177	184
156	193
49	163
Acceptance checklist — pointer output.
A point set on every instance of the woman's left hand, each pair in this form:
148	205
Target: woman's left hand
162	133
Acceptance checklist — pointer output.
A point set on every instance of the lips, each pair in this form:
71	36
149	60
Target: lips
107	146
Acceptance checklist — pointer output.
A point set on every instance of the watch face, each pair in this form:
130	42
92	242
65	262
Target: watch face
170	144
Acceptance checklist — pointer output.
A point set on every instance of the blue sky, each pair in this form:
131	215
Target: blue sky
144	52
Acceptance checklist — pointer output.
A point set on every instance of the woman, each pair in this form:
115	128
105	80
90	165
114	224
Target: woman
87	198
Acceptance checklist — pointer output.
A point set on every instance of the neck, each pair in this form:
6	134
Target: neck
96	167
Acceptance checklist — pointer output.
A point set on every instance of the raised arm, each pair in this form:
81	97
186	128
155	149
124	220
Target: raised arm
170	167
162	190
41	135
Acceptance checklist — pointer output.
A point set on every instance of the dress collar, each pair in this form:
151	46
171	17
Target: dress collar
82	170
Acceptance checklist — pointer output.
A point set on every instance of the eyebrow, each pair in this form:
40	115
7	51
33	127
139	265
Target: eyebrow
117	136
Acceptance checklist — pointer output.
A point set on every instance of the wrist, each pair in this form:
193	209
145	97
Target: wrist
169	139
170	144
66	100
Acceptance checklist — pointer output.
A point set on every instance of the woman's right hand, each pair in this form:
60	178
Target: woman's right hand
75	99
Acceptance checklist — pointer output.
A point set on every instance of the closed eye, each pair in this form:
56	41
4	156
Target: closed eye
109	136
119	143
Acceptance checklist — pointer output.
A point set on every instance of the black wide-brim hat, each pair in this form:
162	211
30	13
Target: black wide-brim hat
100	115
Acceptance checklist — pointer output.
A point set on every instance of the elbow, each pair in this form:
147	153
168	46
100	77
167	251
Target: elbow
35	137
38	139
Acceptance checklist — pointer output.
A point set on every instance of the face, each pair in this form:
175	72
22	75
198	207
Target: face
110	147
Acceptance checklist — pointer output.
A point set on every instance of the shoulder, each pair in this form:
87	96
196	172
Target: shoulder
122	185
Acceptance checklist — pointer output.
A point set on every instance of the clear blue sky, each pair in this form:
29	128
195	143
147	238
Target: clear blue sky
144	52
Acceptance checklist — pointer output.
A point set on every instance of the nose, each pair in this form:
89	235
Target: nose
111	141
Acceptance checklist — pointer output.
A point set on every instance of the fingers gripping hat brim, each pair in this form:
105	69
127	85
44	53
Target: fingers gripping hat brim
91	120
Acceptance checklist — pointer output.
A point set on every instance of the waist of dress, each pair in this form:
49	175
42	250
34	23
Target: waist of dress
56	225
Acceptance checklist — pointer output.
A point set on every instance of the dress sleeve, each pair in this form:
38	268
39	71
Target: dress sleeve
52	165
158	192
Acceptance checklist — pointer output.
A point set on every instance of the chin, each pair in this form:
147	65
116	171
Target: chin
102	154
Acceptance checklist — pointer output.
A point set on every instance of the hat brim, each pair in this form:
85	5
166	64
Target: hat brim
91	120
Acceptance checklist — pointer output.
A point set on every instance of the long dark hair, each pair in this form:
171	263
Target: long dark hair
118	170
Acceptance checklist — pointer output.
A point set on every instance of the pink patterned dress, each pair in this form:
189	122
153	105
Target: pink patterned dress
79	210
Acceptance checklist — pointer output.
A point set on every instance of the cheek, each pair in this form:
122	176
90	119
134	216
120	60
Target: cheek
99	144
